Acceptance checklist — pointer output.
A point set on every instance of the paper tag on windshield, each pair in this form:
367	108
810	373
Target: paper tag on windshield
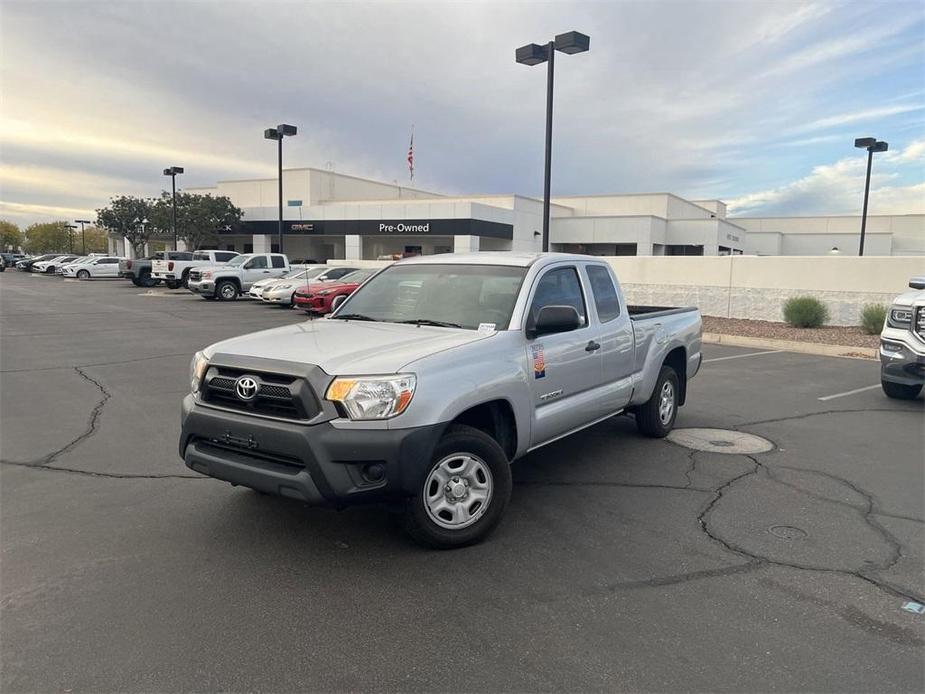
486	328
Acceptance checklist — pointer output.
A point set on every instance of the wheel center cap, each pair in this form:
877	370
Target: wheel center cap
458	490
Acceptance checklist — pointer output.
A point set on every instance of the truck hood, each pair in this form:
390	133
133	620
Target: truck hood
342	347
911	298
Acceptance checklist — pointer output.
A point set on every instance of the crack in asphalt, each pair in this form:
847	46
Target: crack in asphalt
103	363
630	485
806	415
883	585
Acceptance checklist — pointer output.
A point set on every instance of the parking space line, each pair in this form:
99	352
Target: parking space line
741	356
848	392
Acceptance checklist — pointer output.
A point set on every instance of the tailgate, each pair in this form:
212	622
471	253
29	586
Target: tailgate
159	266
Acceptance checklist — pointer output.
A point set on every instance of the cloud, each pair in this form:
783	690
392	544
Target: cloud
871	114
839	188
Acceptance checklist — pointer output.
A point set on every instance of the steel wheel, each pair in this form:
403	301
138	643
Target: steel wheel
458	491
227	291
666	403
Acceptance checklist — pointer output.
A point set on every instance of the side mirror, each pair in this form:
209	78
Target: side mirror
338	300
554	319
917	283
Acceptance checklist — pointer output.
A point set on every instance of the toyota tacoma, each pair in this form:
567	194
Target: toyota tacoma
425	384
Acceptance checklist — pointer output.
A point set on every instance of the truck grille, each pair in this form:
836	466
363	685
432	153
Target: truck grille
195	275
285	397
919	327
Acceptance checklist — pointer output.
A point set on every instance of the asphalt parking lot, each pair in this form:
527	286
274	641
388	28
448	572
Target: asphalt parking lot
623	563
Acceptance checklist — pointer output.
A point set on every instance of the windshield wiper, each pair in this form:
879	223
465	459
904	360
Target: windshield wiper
427	321
354	316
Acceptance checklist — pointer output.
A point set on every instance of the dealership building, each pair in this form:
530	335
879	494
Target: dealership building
329	215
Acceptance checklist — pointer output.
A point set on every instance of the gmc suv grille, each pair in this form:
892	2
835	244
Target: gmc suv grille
195	275
285	397
919	327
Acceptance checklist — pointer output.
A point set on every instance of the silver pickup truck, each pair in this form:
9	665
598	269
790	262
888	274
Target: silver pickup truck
430	379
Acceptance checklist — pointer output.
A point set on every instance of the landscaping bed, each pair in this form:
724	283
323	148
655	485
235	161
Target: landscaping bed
850	336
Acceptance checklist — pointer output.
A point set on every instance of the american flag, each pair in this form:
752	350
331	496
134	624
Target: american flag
411	155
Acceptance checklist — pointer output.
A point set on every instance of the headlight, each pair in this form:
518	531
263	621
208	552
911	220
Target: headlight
197	369
900	317
206	275
373	397
325	292
282	286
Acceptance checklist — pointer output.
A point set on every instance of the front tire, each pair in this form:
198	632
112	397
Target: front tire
656	417
226	290
83	275
463	493
899	391
172	284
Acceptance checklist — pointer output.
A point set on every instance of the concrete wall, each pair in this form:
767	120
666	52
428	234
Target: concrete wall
756	287
817	235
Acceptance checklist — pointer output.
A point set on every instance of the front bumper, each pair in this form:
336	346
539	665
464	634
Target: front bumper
204	287
318	464
284	298
902	358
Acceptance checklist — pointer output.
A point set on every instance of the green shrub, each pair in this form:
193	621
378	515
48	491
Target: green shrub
805	312
872	317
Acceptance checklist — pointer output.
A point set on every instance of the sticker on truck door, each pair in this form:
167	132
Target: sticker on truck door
539	361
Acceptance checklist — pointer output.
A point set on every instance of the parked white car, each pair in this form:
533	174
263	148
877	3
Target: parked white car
277	286
49	266
103	266
80	261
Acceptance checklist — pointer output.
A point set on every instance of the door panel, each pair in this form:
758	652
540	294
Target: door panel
565	375
617	343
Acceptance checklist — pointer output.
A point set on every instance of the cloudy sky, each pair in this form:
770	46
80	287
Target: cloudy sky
754	103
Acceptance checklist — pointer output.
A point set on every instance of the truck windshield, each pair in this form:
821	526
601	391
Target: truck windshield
238	260
464	296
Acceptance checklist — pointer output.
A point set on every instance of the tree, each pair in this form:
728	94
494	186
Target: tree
127	216
199	217
47	237
11	238
95	238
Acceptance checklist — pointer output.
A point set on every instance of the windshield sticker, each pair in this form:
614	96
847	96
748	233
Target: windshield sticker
539	361
486	328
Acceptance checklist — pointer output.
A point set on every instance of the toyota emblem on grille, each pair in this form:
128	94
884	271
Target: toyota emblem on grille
246	388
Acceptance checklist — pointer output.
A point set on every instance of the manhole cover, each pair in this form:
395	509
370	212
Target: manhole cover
720	441
787	532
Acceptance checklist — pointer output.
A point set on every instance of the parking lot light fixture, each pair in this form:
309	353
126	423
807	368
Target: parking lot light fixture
871	144
83	239
172	172
278	133
533	54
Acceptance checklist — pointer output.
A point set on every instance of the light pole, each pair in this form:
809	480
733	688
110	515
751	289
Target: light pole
278	133
70	237
871	144
83	239
172	172
534	54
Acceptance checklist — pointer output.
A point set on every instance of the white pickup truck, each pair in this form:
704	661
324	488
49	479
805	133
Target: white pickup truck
227	282
176	272
430	379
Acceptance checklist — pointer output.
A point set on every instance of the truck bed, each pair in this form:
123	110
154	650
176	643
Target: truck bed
638	312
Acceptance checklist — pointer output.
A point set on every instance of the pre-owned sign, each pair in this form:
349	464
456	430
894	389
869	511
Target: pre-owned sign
376	227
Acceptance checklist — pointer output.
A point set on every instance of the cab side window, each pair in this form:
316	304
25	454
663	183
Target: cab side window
278	261
605	294
258	263
559	287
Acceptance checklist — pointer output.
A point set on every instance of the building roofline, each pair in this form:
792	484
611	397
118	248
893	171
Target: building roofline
827	216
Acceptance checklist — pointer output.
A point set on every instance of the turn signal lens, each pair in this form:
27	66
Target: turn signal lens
373	397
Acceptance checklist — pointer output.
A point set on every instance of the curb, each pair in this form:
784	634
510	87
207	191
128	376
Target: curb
844	351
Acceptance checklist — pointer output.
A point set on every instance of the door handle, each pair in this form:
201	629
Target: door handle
592	346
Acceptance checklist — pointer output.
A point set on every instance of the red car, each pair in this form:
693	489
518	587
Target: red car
316	298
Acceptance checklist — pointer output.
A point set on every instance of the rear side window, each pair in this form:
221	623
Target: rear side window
605	294
224	256
560	287
278	261
180	255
